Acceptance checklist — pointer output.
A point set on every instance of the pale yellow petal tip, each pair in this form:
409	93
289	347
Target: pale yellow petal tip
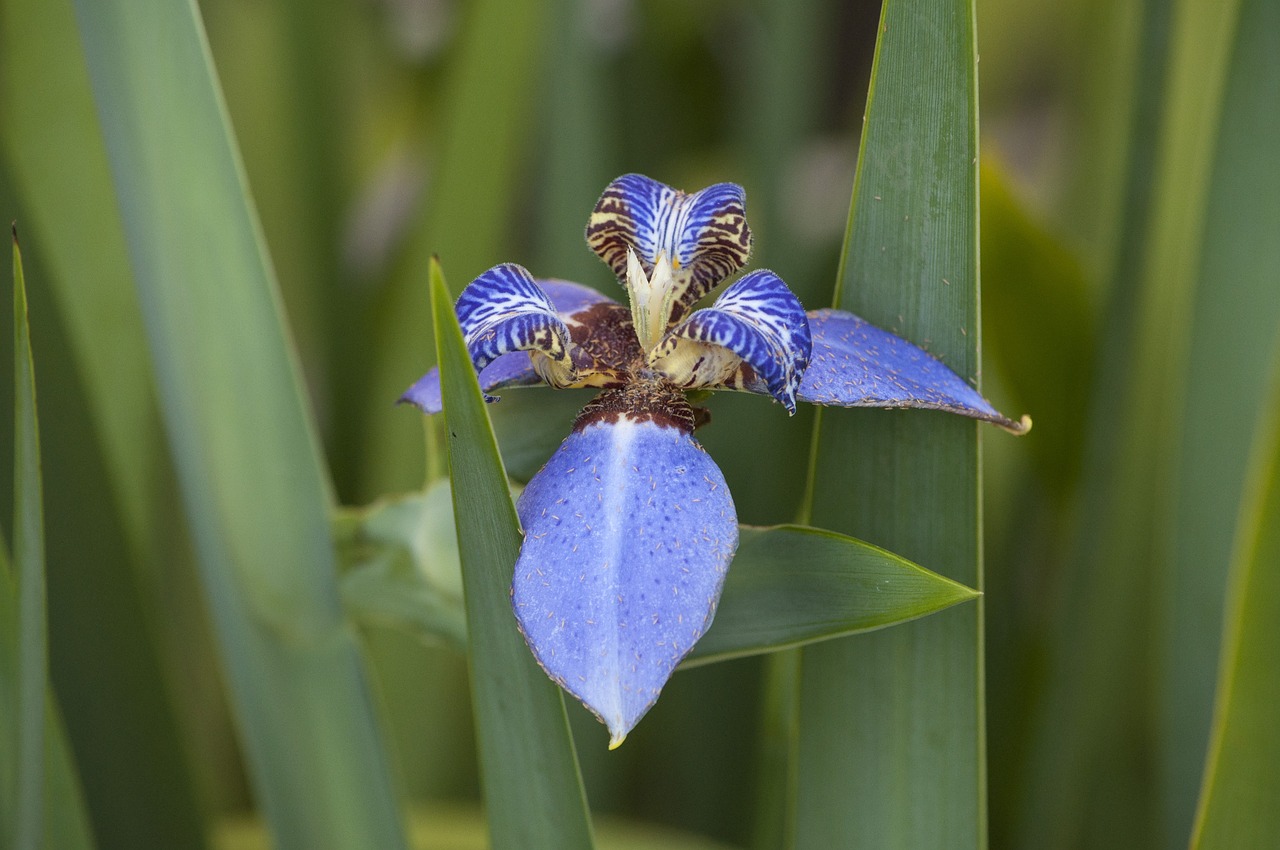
616	740
1017	428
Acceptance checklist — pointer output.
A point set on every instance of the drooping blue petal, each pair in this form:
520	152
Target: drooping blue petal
856	364
504	310
755	338
629	530
510	370
704	236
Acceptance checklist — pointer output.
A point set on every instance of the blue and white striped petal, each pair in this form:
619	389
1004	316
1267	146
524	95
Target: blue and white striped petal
573	302
856	364
629	531
703	236
504	310
754	338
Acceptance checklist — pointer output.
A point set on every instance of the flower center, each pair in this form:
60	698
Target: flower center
643	399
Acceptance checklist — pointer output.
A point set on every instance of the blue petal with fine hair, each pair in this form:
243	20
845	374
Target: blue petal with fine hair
758	322
629	530
856	364
704	235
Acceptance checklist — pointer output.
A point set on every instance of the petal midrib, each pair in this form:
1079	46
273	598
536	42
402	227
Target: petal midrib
623	435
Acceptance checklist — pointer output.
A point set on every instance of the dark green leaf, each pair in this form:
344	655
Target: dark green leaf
788	586
117	506
532	787
791	585
1237	802
1234	326
28	556
891	746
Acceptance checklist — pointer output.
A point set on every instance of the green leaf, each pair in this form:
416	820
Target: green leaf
532	787
1187	341
40	798
1234	326
115	504
254	492
1237	799
891	747
401	566
61	170
790	586
28	555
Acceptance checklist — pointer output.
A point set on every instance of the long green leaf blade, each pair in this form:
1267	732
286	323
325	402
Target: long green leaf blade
1233	328
891	749
1237	799
790	586
40	799
138	772
532	786
1089	760
246	456
28	555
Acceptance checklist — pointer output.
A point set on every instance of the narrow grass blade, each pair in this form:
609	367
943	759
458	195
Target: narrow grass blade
891	749
65	819
1089	776
1234	325
254	492
116	507
1237	799
532	787
28	556
61	173
40	799
790	586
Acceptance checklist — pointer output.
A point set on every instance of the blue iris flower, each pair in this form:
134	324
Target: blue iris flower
629	528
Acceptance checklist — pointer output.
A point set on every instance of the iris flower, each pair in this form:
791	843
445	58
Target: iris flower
629	528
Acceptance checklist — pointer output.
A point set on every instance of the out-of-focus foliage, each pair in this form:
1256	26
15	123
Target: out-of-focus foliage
1130	302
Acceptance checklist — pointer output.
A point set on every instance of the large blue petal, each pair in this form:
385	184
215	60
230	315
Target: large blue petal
856	364
758	322
629	530
504	310
572	301
703	235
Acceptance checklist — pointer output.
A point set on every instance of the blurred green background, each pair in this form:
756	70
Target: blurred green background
1130	267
